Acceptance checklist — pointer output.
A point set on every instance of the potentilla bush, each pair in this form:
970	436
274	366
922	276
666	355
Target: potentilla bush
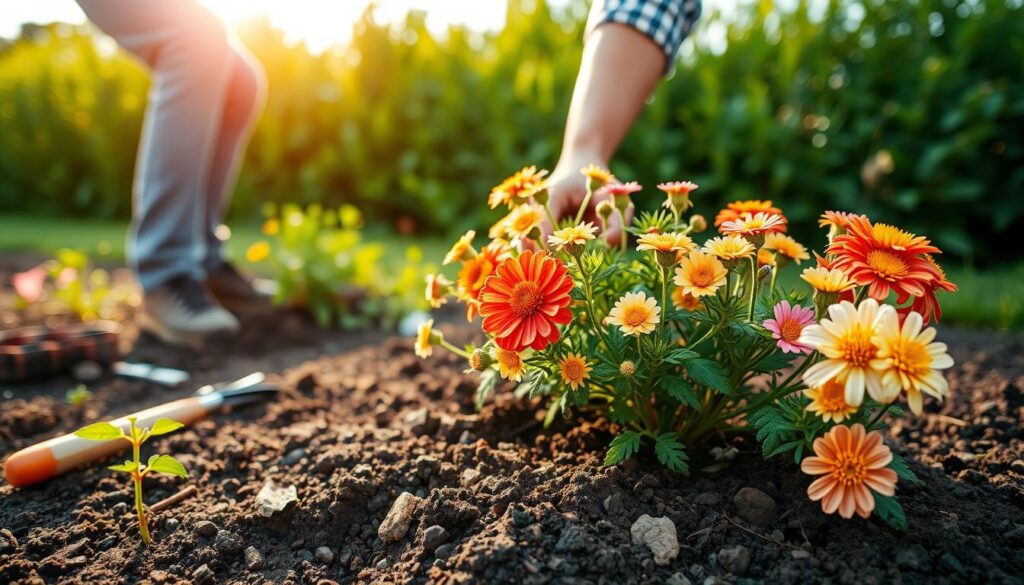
678	342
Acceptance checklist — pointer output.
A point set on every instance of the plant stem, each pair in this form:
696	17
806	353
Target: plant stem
624	237
583	207
454	349
879	415
664	300
753	287
140	509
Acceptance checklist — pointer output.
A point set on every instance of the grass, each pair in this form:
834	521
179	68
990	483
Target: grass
992	298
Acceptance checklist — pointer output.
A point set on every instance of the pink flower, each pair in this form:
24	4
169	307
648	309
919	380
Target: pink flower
29	284
677	187
620	189
788	324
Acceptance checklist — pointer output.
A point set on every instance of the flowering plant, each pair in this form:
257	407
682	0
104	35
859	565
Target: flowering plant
678	341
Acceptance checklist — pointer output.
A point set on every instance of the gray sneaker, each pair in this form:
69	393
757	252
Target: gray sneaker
235	291
180	312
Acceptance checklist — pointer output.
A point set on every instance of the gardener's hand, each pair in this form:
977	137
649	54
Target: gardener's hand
567	189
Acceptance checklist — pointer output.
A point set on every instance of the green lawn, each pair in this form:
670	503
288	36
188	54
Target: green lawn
992	298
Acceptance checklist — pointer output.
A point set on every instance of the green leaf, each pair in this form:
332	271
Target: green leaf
622	447
163	425
553	409
680	356
682	391
101	431
166	465
888	508
903	471
773	362
671	453
488	381
127	467
709	373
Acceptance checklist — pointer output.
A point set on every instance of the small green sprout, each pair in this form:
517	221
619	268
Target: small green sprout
78	395
165	464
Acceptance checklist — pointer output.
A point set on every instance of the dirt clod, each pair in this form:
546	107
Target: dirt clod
659	535
253	558
206	528
228	544
755	506
735	559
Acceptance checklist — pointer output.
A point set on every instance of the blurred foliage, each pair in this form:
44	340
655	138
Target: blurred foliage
912	112
70	285
320	263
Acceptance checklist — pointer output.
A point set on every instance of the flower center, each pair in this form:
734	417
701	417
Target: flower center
573	370
702	276
635	316
911	358
886	264
850	469
857	348
833	398
526	299
790	330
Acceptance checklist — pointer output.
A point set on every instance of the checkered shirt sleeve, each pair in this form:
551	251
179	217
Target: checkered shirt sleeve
666	22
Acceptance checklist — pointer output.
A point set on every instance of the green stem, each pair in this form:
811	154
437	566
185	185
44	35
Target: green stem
664	300
753	288
775	275
624	236
583	207
453	349
140	509
591	311
879	415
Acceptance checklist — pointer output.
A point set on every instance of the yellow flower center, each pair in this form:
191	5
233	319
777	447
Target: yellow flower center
857	349
886	264
832	397
850	469
790	330
911	358
634	316
702	276
526	299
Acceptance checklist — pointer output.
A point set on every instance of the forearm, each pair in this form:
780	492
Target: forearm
619	70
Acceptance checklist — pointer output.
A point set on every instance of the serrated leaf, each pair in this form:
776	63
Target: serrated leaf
671	453
903	471
682	391
888	508
709	373
773	362
553	409
622	447
101	431
166	465
164	425
488	381
127	467
680	355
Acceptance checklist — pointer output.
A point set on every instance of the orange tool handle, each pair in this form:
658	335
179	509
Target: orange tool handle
59	455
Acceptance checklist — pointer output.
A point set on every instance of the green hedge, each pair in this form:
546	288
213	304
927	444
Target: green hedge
910	111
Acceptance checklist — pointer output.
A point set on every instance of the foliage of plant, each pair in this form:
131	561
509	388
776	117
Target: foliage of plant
910	111
69	284
78	395
320	262
136	436
680	342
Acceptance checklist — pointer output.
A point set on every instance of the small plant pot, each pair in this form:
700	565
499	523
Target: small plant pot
31	353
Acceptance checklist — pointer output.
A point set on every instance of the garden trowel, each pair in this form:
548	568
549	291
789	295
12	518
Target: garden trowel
59	455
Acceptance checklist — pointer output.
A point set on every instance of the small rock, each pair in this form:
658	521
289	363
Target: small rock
659	534
444	551
434	537
324	555
228	543
202	575
615	503
426	466
206	528
382	564
172	524
678	578
470	477
706	499
87	371
274	497
755	506
293	457
421	422
396	523
253	558
572	539
108	542
800	554
734	559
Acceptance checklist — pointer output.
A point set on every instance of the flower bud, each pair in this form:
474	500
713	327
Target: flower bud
621	202
627	368
698	224
605	210
764	272
541	196
534	234
480	360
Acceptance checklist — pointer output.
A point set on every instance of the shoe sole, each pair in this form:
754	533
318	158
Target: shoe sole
192	340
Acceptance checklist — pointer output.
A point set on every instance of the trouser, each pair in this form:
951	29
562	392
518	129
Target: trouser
206	93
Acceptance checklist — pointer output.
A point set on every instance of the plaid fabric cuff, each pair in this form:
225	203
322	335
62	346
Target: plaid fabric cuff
666	22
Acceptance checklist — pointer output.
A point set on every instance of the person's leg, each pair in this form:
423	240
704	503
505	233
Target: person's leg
246	93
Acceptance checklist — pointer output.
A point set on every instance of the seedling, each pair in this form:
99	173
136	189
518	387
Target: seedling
136	435
78	395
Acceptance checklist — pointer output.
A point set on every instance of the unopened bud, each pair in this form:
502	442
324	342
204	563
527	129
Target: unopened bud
698	224
534	234
480	360
541	196
627	368
764	272
605	210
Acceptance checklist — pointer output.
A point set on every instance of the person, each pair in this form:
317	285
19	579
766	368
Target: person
629	45
207	91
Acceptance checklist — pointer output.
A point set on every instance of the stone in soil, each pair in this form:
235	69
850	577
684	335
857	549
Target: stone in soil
206	528
273	498
324	555
253	558
755	506
434	537
228	544
659	535
396	523
735	559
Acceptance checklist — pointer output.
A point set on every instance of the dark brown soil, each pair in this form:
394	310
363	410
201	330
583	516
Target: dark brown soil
502	500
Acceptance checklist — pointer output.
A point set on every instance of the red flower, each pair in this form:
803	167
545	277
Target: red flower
525	300
883	258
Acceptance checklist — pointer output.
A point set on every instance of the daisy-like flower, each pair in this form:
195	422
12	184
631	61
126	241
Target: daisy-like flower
574	370
426	337
510	364
852	464
738	209
678	195
670	242
597	177
829	402
927	305
788	324
619	192
573	237
518	188
827	280
462	248
700	274
766	257
525	300
437	290
754	227
837	221
523	220
684	301
908	359
635	314
884	258
786	247
474	273
846	340
729	248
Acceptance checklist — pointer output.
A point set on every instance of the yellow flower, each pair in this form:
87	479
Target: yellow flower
271	227
425	337
437	290
827	280
684	301
577	235
846	340
517	188
597	177
635	314
829	402
510	364
909	360
258	252
786	246
730	248
700	274
462	248
523	220
670	242
766	257
574	370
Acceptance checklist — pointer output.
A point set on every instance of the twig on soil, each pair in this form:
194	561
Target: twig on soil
761	536
950	420
165	503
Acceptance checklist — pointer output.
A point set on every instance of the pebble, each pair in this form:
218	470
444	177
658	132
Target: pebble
396	523
107	542
734	559
755	506
274	497
172	524
206	528
470	477
202	575
87	371
324	555
293	457
659	535
228	543
426	466
614	504
678	578
444	551
706	499
253	558
421	422
434	537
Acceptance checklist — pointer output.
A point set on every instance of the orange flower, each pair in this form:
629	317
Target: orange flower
510	364
437	290
463	247
684	301
677	195
523	220
884	258
518	188
852	464
574	370
927	305
700	274
635	314
754	226
786	247
525	301
738	209
597	177
837	220
829	402
474	274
